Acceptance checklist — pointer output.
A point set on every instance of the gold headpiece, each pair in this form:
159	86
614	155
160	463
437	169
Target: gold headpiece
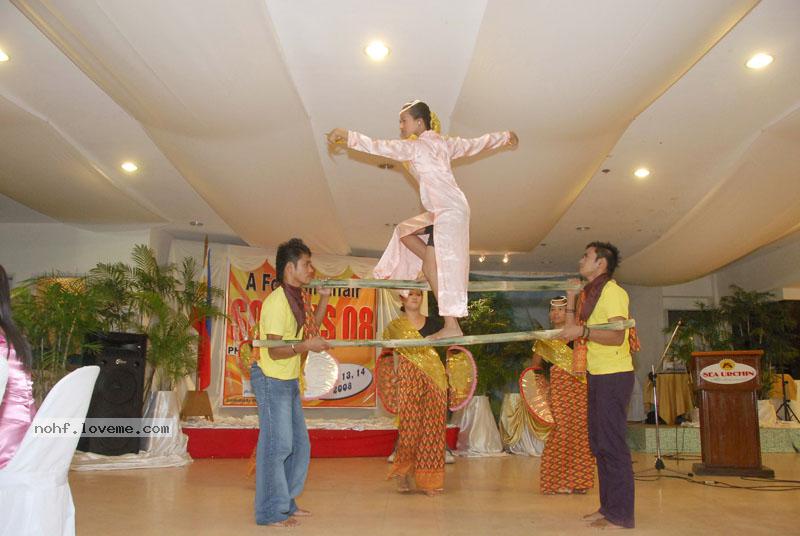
558	301
436	125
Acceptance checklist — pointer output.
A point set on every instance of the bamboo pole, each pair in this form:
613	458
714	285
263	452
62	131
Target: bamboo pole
473	286
463	340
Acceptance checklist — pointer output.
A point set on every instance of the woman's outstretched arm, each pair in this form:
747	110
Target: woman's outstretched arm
400	150
460	147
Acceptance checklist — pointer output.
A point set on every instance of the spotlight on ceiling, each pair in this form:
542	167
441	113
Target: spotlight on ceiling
582	228
130	167
759	61
196	223
642	172
482	258
505	258
377	51
3	56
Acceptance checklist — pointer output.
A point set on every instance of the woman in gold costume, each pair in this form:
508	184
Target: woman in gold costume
567	463
422	403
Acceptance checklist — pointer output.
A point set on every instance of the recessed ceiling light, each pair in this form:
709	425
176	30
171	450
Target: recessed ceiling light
196	223
377	51
3	56
130	167
642	172
759	61
505	258
482	258
582	228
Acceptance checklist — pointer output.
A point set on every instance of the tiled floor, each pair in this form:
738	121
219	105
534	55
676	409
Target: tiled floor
484	496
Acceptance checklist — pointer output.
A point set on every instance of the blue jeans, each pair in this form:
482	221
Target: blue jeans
283	450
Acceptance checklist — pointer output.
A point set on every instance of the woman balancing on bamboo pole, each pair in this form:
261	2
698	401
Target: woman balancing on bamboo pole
427	156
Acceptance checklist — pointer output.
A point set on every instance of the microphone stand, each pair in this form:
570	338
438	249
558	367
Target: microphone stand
653	376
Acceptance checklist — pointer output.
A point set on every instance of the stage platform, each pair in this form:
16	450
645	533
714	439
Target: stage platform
365	440
642	438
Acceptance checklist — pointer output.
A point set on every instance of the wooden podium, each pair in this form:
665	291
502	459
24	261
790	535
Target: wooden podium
727	385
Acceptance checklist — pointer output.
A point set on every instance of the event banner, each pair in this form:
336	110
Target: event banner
350	314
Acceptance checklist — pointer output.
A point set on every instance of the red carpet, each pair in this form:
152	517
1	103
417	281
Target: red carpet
240	442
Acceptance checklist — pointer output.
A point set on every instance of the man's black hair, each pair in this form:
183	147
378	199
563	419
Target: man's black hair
289	252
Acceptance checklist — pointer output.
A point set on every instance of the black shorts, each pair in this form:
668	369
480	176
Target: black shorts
429	232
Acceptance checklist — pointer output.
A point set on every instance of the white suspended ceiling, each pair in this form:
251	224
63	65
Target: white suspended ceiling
224	105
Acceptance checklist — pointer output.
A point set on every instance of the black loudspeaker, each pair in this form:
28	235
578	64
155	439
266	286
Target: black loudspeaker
119	390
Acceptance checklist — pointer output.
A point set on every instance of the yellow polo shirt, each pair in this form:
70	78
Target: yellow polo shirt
277	319
601	358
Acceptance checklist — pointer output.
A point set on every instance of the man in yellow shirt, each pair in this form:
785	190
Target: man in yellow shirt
610	379
284	450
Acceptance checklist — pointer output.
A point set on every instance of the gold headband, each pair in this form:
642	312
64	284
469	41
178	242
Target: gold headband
558	301
410	105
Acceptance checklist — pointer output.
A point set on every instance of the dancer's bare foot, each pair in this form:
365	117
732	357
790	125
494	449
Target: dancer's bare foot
301	513
286	523
433	492
403	485
447	332
594	516
605	524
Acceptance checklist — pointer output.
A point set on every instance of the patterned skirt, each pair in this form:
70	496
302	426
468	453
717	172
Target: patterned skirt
567	462
422	414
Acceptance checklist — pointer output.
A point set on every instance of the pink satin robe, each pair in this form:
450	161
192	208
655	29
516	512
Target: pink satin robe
429	159
17	407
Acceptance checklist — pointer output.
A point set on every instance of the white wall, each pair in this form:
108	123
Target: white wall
776	269
161	242
646	306
772	269
30	249
686	296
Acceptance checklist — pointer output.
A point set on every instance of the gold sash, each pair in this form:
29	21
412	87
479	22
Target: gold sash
559	354
424	357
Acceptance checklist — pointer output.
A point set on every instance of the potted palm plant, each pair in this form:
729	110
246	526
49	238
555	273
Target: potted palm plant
163	302
56	312
758	322
744	320
499	365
